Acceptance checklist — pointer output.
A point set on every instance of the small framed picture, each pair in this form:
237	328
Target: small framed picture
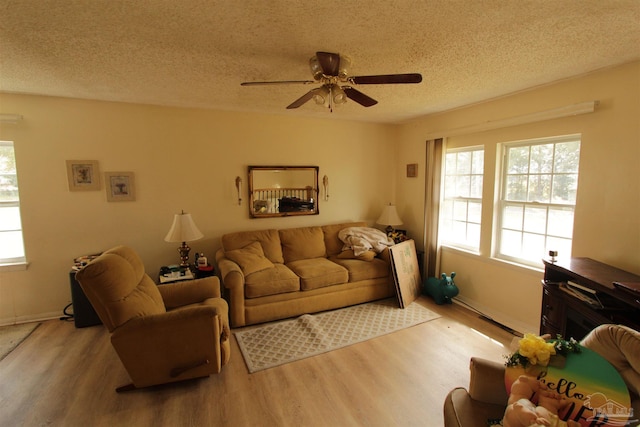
83	175
120	186
412	170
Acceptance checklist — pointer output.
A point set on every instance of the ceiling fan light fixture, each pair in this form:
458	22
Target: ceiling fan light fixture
329	71
338	95
316	69
345	66
322	95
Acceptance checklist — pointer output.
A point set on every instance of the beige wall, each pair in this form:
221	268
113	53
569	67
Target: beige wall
607	223
188	159
182	159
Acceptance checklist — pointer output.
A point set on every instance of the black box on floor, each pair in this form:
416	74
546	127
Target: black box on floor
83	313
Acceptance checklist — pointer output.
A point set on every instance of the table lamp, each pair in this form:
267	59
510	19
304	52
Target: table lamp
389	218
183	230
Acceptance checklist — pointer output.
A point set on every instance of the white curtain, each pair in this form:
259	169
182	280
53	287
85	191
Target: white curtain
434	150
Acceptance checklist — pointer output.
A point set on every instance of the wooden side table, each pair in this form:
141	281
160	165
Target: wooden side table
182	274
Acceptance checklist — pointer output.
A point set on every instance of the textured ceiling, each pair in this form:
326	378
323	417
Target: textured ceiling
195	53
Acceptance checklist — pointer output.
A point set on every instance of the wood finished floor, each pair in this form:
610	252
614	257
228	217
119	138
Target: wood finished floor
63	376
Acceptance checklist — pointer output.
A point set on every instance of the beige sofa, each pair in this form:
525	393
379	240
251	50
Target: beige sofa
276	274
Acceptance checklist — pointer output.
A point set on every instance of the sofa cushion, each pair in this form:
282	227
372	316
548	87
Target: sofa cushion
349	254
269	240
318	273
363	270
250	258
302	243
271	281
331	241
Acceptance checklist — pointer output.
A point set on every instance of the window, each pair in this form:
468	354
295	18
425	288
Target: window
461	208
11	244
537	199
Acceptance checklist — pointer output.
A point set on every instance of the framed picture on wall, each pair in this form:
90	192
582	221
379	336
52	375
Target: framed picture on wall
412	170
83	175
120	186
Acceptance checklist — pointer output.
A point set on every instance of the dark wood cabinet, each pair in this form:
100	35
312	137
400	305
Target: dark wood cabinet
579	294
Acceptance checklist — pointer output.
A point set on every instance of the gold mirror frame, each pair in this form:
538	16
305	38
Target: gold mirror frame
277	191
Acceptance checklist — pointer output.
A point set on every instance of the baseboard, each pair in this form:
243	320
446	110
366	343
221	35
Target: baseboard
496	316
32	318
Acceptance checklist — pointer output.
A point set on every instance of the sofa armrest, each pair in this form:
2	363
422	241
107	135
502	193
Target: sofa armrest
233	280
385	255
486	382
189	292
226	267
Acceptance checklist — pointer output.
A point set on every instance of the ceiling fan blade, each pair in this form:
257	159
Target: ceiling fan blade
302	100
330	63
386	79
359	97
278	82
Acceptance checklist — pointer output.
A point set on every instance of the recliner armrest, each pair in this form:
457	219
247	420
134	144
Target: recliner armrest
189	292
486	382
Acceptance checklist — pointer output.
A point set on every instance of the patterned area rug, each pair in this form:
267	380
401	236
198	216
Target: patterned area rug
12	336
283	342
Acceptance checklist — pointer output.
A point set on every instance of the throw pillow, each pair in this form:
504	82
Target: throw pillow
302	243
250	258
349	254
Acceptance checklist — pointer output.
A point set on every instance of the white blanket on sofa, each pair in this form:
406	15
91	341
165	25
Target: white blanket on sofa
362	239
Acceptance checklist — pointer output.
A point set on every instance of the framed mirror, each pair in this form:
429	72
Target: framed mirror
283	191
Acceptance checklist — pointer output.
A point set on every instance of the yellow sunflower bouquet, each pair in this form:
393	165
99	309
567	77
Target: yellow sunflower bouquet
537	350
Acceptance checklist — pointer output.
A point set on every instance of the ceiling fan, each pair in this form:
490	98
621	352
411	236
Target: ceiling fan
332	70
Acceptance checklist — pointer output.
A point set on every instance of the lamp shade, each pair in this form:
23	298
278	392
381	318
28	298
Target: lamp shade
183	229
389	216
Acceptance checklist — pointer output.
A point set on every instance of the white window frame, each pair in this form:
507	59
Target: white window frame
450	201
17	260
552	240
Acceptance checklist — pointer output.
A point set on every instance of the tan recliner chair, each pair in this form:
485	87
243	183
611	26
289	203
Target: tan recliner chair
487	397
164	333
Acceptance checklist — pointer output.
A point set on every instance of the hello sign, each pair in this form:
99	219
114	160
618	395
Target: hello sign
595	393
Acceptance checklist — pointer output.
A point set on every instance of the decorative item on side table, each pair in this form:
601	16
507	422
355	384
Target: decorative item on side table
390	217
398	236
202	267
183	230
175	273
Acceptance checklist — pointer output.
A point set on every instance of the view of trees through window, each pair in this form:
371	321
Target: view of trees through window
11	242
539	186
461	207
